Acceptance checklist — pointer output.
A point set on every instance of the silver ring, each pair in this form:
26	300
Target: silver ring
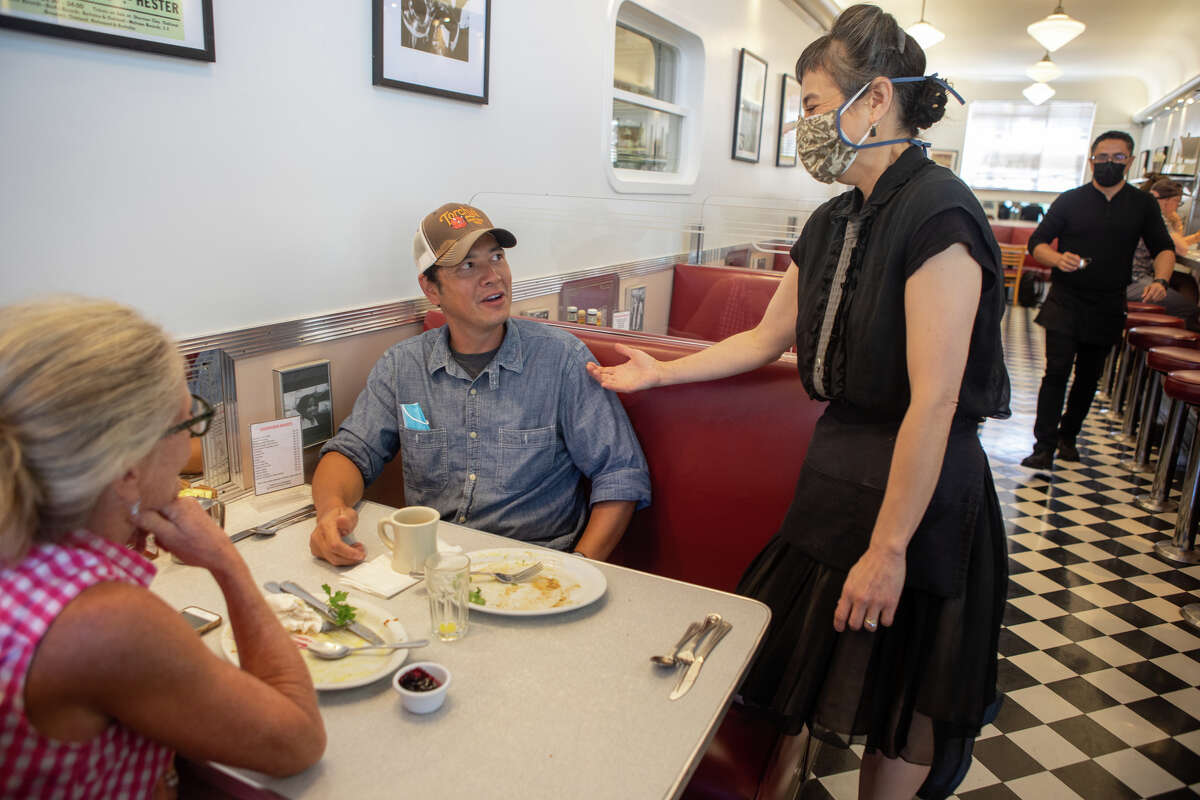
870	623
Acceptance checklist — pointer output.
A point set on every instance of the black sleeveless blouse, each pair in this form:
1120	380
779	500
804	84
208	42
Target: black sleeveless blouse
854	260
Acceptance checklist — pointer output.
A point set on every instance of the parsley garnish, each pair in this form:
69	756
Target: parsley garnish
476	597
343	612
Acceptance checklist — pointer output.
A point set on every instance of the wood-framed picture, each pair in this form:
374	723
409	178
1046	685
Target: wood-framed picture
748	107
438	47
306	391
945	158
789	117
168	27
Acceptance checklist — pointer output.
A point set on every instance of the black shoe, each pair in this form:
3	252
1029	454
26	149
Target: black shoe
1067	452
1040	459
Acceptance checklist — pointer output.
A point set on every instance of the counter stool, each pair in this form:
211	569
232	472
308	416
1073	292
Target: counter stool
1164	360
1184	385
1125	364
1104	395
1143	400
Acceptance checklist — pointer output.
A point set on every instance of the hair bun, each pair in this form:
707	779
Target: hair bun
927	104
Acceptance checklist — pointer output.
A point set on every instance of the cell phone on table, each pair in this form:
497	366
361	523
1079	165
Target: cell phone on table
201	620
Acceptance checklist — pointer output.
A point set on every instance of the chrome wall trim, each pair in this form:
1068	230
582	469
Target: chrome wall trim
268	338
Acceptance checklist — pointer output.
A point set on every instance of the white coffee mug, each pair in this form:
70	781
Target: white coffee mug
414	538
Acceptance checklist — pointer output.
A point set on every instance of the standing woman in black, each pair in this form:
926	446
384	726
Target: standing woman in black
887	578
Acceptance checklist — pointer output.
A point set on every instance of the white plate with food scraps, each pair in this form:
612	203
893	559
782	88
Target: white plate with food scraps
564	584
356	669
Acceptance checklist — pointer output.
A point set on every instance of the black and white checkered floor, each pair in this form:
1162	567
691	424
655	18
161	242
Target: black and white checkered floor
1099	671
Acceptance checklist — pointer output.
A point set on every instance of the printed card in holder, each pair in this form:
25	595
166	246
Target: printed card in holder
414	417
277	450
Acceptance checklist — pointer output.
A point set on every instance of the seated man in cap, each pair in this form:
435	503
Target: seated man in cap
495	418
1168	193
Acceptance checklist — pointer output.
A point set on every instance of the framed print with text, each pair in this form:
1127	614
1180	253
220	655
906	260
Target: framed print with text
748	107
168	27
789	115
438	47
305	391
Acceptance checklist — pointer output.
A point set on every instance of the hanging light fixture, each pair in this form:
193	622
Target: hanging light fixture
925	34
1038	93
1055	30
1044	71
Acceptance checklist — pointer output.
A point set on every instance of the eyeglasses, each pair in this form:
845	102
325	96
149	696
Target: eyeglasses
197	424
1104	158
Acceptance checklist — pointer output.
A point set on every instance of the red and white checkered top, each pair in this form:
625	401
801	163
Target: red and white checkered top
118	763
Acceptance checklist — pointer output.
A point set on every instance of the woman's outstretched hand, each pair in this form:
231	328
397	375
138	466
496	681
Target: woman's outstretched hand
871	591
641	371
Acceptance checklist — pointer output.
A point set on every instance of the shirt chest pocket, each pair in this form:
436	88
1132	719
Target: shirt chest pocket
526	457
423	454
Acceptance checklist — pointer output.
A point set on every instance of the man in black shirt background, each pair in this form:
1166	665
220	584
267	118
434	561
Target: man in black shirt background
1098	226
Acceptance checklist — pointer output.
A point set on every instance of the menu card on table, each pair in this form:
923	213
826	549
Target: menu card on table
277	451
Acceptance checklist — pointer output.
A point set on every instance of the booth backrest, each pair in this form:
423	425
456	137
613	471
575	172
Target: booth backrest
712	303
723	455
1019	233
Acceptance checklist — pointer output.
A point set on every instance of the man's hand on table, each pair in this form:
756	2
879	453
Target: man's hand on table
327	539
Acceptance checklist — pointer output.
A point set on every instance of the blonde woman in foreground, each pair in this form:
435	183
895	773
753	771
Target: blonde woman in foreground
100	680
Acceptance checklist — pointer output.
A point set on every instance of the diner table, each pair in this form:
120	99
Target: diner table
566	705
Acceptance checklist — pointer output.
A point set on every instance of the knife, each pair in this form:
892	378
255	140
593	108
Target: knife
693	670
325	611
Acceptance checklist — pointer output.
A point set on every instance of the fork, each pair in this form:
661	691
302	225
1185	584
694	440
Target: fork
503	577
275	525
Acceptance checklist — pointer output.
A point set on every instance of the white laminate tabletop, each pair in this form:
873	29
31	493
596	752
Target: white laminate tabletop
561	706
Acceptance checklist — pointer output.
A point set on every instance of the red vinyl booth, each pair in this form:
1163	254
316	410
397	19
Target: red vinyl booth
712	303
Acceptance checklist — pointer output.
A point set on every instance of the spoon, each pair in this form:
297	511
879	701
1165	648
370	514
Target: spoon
694	631
333	651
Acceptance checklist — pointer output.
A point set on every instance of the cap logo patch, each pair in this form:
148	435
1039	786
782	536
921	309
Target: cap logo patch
460	217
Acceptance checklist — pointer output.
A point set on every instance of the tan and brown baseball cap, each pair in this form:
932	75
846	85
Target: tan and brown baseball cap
446	235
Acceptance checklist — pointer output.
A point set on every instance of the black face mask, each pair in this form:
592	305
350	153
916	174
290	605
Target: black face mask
1109	173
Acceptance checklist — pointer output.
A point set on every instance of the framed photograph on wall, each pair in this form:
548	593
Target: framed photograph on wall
437	47
748	107
945	158
789	116
306	391
167	27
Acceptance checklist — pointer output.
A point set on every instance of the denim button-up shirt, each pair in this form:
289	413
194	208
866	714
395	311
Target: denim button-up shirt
505	451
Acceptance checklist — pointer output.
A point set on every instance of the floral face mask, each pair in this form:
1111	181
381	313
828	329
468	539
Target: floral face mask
822	146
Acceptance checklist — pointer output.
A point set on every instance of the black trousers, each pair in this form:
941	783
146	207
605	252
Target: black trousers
1062	353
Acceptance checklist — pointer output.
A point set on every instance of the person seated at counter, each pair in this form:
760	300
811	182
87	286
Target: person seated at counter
1168	194
494	417
100	680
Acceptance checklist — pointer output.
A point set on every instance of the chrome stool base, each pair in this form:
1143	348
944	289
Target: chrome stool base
1179	555
1191	614
1146	502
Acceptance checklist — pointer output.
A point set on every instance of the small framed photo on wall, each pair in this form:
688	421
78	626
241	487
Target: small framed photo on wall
789	117
306	391
438	47
945	158
748	107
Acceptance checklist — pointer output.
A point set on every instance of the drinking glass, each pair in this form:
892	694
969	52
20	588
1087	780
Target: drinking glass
448	582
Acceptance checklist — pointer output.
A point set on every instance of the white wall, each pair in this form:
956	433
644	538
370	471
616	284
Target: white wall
279	183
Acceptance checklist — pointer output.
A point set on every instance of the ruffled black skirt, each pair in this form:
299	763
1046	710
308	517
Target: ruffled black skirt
929	678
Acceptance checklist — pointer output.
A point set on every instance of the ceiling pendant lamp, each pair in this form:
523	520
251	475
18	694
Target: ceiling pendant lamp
1038	93
1044	71
1055	30
925	34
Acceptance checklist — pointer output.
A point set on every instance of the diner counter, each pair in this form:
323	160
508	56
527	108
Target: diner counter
567	705
1191	261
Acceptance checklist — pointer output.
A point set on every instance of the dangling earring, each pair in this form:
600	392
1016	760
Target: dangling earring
135	509
874	132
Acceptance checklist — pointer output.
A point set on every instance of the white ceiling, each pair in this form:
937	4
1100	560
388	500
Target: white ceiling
1155	41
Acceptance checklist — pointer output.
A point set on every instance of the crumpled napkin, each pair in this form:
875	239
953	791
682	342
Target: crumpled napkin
377	577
